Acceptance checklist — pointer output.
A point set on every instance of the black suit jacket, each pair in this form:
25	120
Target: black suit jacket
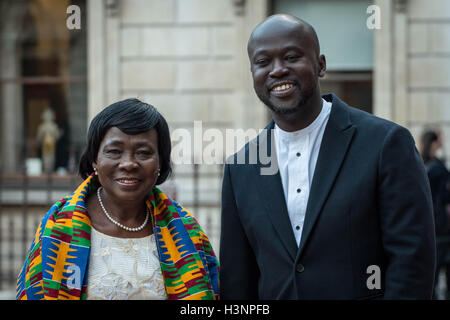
369	205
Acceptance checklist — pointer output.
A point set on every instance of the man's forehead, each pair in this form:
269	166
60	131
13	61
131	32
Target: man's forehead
276	28
282	31
269	38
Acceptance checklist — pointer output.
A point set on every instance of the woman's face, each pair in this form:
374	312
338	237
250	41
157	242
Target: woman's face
127	165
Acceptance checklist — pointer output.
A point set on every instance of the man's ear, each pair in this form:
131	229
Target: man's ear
322	66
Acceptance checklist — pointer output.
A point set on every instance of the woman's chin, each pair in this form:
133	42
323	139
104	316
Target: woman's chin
130	193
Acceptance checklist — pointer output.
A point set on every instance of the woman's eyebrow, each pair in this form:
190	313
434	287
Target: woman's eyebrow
121	143
143	144
113	142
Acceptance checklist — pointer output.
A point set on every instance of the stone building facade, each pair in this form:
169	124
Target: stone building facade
412	61
188	58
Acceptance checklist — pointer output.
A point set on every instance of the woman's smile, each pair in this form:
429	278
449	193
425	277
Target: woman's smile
128	182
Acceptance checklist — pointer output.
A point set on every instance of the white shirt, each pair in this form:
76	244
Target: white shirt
297	154
124	269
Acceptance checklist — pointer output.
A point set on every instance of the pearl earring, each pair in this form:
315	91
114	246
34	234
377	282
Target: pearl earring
95	170
159	173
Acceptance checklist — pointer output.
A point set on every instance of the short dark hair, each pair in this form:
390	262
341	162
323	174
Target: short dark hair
427	138
131	116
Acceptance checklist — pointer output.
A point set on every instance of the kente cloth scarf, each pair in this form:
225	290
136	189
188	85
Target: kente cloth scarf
57	263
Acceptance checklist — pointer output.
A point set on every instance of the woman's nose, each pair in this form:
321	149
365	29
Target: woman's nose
128	162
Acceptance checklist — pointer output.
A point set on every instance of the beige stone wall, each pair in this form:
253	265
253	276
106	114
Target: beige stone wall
188	59
412	64
181	57
429	66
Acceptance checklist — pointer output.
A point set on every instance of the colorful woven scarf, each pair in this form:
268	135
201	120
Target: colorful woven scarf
59	253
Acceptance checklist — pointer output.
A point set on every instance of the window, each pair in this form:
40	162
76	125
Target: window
42	76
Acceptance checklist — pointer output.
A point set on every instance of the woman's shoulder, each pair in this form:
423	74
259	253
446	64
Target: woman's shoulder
63	213
196	232
65	205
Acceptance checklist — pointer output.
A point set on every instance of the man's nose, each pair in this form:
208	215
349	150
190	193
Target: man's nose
279	69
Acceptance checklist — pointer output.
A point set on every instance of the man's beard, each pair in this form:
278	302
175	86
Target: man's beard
285	110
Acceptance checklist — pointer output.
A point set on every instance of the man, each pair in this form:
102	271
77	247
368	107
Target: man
348	215
438	175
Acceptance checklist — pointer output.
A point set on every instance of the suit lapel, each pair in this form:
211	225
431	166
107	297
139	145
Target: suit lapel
336	140
271	192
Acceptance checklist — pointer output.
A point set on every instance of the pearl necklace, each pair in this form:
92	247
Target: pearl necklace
118	223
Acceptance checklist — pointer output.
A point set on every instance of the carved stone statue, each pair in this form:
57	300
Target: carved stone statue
48	134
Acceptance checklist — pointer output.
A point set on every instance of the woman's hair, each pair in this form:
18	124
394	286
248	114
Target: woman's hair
131	116
427	139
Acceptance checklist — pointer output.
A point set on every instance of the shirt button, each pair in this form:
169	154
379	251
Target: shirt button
300	268
298	154
299	190
297	227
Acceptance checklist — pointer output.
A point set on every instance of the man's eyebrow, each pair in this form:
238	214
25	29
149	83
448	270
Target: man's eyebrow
296	48
258	52
284	49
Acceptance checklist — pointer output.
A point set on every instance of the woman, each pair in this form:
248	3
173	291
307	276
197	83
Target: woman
118	236
438	175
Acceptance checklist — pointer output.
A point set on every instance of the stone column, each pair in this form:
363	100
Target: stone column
96	56
391	62
12	105
112	50
255	113
383	82
400	63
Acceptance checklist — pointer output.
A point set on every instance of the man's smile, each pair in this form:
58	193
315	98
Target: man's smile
282	89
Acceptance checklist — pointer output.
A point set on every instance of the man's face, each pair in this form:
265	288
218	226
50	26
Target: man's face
285	65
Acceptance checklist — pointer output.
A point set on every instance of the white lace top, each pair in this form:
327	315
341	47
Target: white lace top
124	269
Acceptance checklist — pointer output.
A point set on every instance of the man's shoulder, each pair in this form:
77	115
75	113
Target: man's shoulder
371	124
251	151
244	152
368	120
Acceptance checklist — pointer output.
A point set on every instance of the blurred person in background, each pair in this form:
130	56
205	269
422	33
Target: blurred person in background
118	236
438	175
